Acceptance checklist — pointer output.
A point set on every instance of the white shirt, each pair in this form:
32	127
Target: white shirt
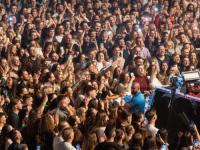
151	130
64	146
56	141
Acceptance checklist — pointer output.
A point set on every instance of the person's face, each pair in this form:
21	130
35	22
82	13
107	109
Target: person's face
91	55
161	51
142	20
134	89
95	85
164	67
93	34
9	82
137	51
25	76
69	39
193	56
168	45
87	75
139	62
51	33
187	46
19	105
127	77
192	48
4	63
116	52
140	42
185	53
97	27
61	29
182	38
13	9
140	70
14	49
93	93
54	57
176	59
16	61
29	101
101	57
32	52
52	78
3	119
119	71
186	62
70	92
49	48
91	68
121	43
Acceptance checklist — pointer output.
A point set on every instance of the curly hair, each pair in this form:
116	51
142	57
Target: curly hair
46	123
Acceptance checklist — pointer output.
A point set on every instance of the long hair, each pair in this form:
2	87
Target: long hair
90	117
101	119
46	123
10	53
185	140
48	44
122	78
4	135
89	141
142	130
119	133
136	139
149	143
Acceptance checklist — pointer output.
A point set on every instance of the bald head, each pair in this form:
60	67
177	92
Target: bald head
135	88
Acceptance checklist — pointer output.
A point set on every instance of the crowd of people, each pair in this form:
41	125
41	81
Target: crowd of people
76	74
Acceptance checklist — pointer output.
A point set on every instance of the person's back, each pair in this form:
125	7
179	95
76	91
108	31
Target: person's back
150	127
109	143
64	146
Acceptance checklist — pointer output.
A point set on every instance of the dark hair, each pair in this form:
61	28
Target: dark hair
125	114
54	67
185	140
4	135
14	102
60	98
47	76
137	139
72	120
64	89
109	131
149	143
26	96
88	89
93	103
163	134
136	116
122	78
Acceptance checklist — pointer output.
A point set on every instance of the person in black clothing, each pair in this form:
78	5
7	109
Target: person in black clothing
13	118
87	45
161	55
25	81
109	143
16	137
137	120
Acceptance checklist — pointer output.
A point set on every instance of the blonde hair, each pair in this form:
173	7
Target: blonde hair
66	133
